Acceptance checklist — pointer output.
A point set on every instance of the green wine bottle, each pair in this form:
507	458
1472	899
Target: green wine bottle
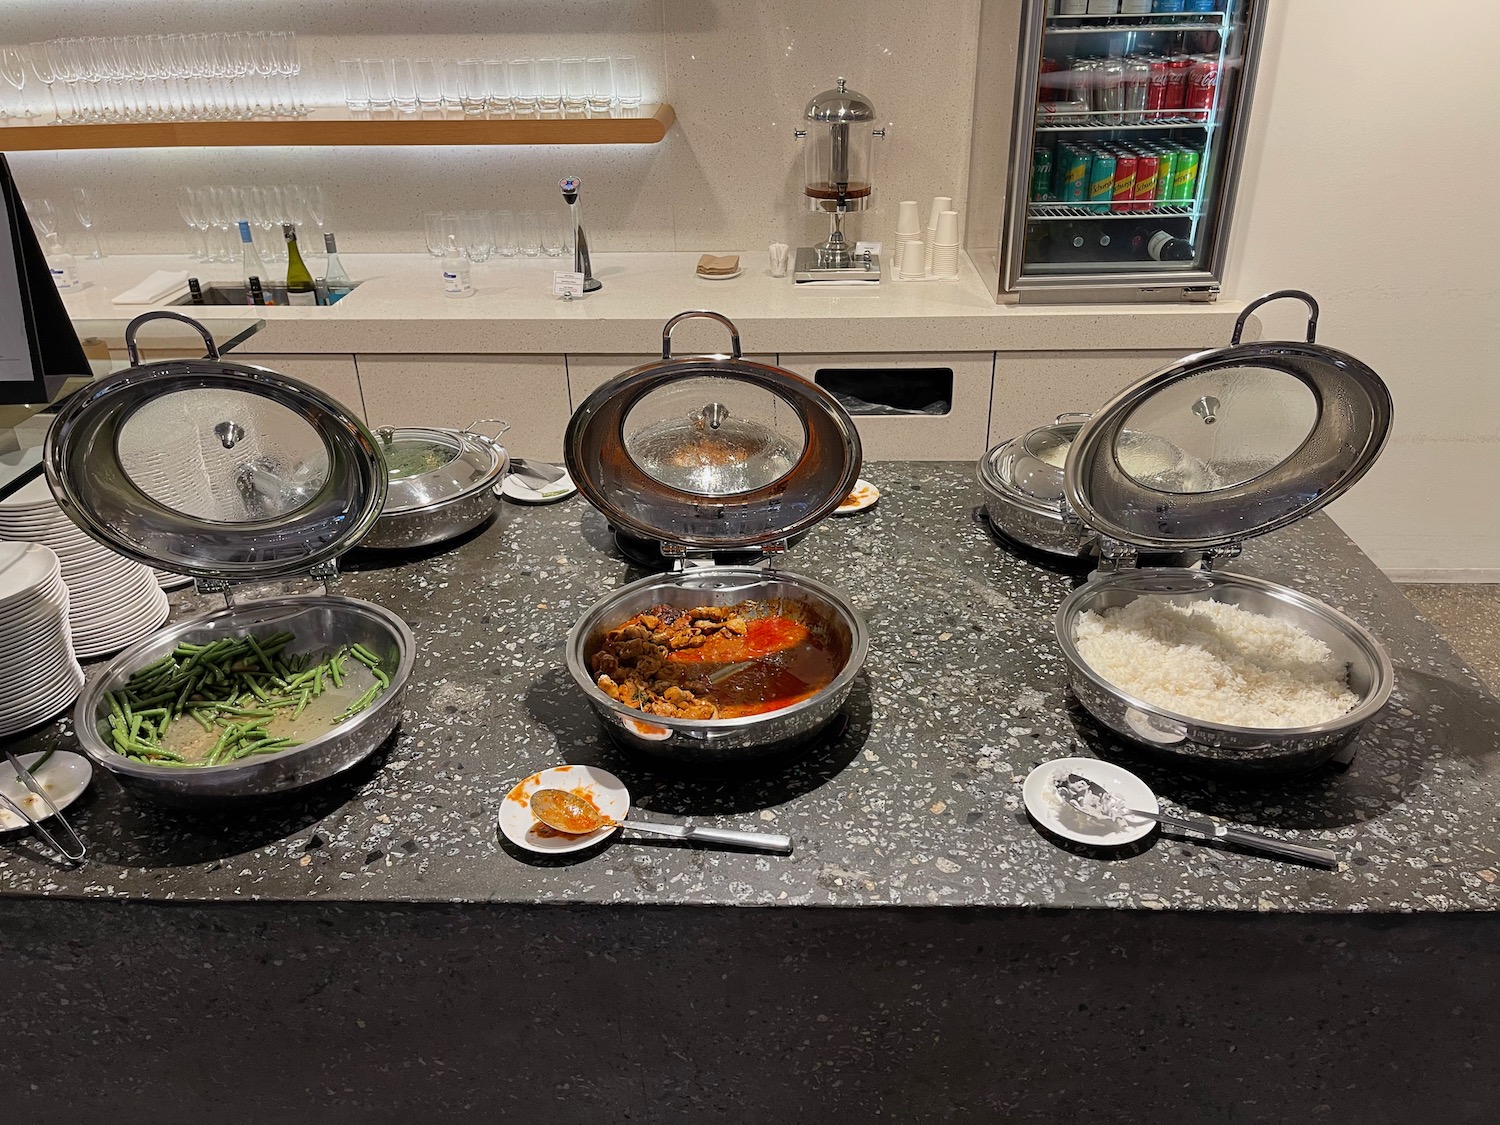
299	283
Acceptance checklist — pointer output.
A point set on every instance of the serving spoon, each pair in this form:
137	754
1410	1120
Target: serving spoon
573	815
1107	805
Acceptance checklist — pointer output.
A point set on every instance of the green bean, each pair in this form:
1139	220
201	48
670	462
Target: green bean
365	656
201	719
382	678
336	669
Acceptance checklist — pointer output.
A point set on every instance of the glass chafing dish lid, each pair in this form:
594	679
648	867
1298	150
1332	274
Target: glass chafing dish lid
712	452
214	469
427	466
1229	443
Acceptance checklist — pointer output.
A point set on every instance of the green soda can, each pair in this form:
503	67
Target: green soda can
1101	182
1166	164
1185	175
1041	174
1073	179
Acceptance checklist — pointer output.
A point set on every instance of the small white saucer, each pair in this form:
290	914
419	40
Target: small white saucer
523	830
512	489
864	496
719	276
1056	815
64	777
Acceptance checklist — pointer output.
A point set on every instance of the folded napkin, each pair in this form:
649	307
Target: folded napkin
718	263
157	287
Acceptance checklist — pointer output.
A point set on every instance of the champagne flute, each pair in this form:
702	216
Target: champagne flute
43	217
41	66
186	207
83	210
317	207
13	65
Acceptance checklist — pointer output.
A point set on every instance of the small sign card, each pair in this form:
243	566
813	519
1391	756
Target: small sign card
567	284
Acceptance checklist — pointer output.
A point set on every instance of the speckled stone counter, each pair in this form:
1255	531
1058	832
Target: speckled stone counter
387	953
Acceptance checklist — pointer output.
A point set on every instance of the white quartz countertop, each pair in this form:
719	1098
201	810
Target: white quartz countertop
399	307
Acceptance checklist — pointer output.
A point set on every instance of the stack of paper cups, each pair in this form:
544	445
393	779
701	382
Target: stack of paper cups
944	246
908	227
940	203
913	259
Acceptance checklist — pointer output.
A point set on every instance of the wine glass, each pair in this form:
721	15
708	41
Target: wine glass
317	207
41	67
83	211
186	207
13	64
43	216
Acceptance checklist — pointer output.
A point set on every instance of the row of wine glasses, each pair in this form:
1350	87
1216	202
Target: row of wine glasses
481	235
197	77
490	86
47	220
213	215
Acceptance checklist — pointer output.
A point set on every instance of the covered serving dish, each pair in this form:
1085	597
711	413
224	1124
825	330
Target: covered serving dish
232	474
705	455
441	483
1268	432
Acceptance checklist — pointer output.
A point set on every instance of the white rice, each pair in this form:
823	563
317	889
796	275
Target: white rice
1216	662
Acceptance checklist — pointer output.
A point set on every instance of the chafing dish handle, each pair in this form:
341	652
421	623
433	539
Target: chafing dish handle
1298	294
133	350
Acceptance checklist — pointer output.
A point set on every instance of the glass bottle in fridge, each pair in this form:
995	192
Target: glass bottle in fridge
1116	141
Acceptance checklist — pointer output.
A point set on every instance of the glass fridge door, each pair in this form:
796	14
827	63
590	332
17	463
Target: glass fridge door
1129	141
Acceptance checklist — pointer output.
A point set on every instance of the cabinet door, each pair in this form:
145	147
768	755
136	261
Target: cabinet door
909	407
530	392
1033	388
334	375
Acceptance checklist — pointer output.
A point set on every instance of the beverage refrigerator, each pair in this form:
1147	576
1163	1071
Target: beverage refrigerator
1111	175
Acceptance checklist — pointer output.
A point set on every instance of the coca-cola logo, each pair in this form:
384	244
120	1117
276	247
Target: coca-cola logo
1202	80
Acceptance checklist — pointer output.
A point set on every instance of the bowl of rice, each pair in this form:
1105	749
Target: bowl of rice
1221	670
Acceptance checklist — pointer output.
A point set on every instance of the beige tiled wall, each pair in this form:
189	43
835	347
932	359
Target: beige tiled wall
334	375
1032	388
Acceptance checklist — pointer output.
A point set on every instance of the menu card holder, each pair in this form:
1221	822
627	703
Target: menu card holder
39	348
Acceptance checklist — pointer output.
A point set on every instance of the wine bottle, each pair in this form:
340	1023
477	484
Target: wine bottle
253	289
195	292
299	283
1164	246
335	279
249	259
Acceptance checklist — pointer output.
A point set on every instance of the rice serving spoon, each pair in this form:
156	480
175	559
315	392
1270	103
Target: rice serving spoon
1095	801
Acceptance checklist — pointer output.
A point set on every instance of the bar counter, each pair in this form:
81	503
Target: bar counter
372	949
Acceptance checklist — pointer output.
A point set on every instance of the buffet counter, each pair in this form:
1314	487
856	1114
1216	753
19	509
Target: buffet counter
372	949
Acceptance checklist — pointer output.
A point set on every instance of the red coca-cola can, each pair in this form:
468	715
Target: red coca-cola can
1156	89
1146	167
1176	94
1202	85
1049	89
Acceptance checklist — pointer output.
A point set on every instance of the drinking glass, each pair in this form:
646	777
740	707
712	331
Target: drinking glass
505	234
289	67
43	216
549	89
429	77
356	89
601	84
575	82
627	82
41	67
529	237
432	225
381	79
497	84
185	204
263	55
472	91
452	85
479	235
404	85
13	66
317	208
551	234
83	211
523	85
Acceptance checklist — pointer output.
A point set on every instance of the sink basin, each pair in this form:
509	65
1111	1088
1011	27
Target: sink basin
235	295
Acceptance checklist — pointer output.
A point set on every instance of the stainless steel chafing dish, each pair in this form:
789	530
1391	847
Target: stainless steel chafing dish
441	483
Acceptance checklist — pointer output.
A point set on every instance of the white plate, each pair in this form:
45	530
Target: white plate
560	489
44	709
719	276
1056	815
520	827
863	496
63	777
25	569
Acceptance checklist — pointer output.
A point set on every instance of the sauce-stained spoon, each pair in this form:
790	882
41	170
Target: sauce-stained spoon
575	815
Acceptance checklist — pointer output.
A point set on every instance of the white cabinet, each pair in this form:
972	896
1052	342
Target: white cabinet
334	375
1033	388
528	391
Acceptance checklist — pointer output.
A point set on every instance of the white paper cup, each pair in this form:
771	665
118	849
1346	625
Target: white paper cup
907	218
947	229
913	261
940	203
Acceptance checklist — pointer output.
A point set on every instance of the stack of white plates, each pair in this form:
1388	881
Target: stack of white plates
42	677
112	601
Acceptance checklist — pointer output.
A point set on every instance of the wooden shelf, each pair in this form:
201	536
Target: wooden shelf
325	127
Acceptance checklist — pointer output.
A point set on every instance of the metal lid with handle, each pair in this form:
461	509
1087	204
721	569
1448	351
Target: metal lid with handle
712	451
1229	443
427	465
218	470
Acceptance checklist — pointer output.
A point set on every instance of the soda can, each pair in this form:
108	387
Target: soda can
1168	6
1147	165
1123	194
1166	165
1184	175
1156	92
1080	81
1041	174
1202	85
1109	92
1101	182
1137	91
1176	92
1072	110
1073	173
1049	88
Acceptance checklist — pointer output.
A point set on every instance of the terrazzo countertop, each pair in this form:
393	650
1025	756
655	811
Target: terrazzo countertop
398	307
916	801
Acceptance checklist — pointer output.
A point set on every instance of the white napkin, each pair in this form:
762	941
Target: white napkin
160	285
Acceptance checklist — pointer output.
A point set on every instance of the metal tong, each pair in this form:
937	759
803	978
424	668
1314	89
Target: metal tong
27	779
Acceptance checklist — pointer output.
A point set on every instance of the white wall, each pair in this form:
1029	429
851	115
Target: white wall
1369	182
